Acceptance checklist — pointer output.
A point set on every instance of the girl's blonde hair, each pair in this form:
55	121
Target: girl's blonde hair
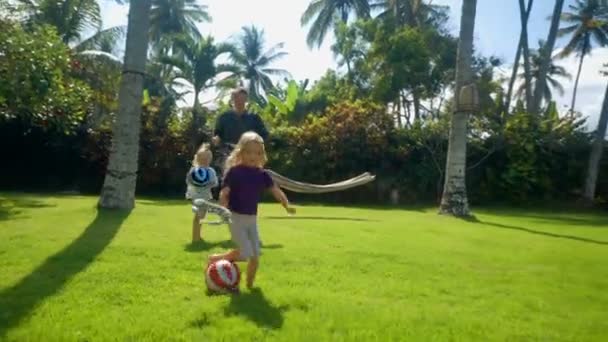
203	151
235	158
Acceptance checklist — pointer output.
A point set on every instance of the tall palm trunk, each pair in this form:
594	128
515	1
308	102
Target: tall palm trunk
545	58
119	185
454	200
349	72
196	110
578	75
526	52
416	98
515	70
596	152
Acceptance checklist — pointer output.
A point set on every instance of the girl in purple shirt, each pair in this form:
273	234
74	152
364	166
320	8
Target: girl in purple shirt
244	182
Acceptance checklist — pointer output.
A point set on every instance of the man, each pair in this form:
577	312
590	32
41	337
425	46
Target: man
232	124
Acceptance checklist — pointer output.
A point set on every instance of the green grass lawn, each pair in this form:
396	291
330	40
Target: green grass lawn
71	273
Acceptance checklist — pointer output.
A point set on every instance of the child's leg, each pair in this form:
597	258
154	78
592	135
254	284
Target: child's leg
196	229
239	237
199	215
254	240
252	268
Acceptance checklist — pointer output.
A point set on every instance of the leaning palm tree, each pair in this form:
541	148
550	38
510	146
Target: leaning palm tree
118	189
545	57
326	13
253	62
171	18
195	61
587	23
454	200
550	77
597	148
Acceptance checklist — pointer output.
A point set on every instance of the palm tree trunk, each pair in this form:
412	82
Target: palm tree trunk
578	75
397	109
196	113
596	153
118	190
507	103
344	14
545	57
416	105
526	52
349	75
454	200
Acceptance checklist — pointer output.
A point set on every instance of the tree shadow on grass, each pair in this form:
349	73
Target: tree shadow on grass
536	232
206	245
20	300
256	308
580	217
11	207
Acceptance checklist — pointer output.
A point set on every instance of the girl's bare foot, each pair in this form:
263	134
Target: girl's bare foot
213	258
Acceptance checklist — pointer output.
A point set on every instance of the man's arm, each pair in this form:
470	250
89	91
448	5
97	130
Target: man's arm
261	128
218	132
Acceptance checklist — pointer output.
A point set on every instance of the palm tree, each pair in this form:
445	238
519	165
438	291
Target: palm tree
413	13
326	13
545	58
171	18
548	77
195	61
454	200
586	24
70	17
118	189
253	63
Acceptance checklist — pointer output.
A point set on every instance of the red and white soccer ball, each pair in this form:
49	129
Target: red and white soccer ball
222	276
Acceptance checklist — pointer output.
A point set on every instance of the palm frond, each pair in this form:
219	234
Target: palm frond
319	28
567	30
555	85
103	40
313	9
277	72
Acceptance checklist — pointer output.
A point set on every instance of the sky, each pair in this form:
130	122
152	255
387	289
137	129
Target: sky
497	29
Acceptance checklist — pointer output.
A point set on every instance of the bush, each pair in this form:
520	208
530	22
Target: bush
36	87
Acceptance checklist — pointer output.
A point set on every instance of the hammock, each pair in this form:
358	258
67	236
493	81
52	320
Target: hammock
308	188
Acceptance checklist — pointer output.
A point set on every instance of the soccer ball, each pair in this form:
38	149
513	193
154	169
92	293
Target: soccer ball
222	276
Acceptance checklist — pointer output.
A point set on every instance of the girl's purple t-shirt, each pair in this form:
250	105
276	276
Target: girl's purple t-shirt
246	187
